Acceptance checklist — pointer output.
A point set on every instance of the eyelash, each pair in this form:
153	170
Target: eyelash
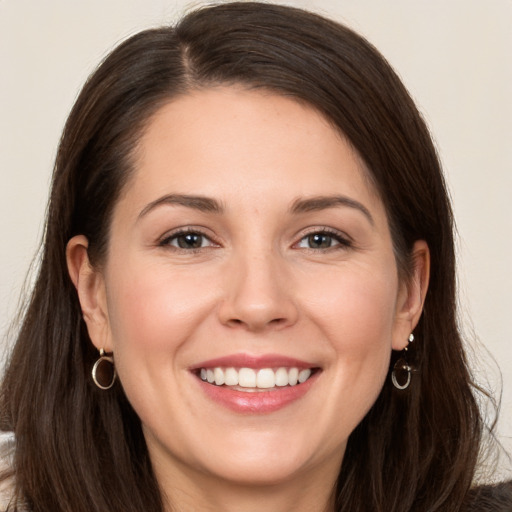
174	237
342	241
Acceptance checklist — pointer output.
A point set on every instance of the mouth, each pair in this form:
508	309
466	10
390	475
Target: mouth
253	379
249	384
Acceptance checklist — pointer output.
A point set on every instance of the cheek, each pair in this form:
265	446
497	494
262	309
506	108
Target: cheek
153	312
356	313
350	315
356	309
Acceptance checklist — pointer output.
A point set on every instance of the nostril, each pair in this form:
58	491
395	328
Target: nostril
274	321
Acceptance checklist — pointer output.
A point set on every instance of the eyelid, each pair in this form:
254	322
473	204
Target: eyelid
164	241
344	240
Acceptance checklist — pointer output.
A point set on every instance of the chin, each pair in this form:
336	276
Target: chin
258	472
268	458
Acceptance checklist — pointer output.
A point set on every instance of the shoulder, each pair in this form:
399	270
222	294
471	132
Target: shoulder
490	498
7	482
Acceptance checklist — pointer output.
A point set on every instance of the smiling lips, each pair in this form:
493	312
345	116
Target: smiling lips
248	384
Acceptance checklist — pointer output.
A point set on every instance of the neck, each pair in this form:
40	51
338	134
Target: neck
236	499
198	492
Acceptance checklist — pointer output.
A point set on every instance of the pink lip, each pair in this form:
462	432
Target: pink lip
255	362
257	402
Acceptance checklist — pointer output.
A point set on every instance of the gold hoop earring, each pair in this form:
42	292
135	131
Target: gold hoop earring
104	371
402	372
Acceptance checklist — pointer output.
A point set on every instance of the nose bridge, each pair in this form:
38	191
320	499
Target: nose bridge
256	296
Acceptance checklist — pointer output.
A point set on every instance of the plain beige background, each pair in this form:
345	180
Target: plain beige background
455	56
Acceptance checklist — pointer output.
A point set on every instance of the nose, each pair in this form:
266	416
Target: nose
258	295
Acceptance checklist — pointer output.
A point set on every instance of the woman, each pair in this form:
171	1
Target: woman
247	293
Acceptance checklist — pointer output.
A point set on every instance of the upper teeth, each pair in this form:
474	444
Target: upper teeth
263	378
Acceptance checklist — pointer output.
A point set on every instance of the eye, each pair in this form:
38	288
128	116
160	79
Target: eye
323	240
187	240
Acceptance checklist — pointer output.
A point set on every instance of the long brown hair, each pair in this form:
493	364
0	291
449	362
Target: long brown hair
82	449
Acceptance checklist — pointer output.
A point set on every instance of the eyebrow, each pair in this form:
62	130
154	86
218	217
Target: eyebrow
201	203
208	204
318	203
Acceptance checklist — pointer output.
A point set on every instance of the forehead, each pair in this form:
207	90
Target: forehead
229	141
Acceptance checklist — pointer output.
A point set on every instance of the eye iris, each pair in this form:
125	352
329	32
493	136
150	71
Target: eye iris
319	241
190	241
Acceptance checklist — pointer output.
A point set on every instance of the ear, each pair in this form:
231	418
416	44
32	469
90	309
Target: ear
90	286
411	296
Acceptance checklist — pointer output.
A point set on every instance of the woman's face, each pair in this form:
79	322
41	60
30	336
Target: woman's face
249	247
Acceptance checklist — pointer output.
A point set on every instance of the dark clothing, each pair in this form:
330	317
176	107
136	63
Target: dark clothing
490	498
